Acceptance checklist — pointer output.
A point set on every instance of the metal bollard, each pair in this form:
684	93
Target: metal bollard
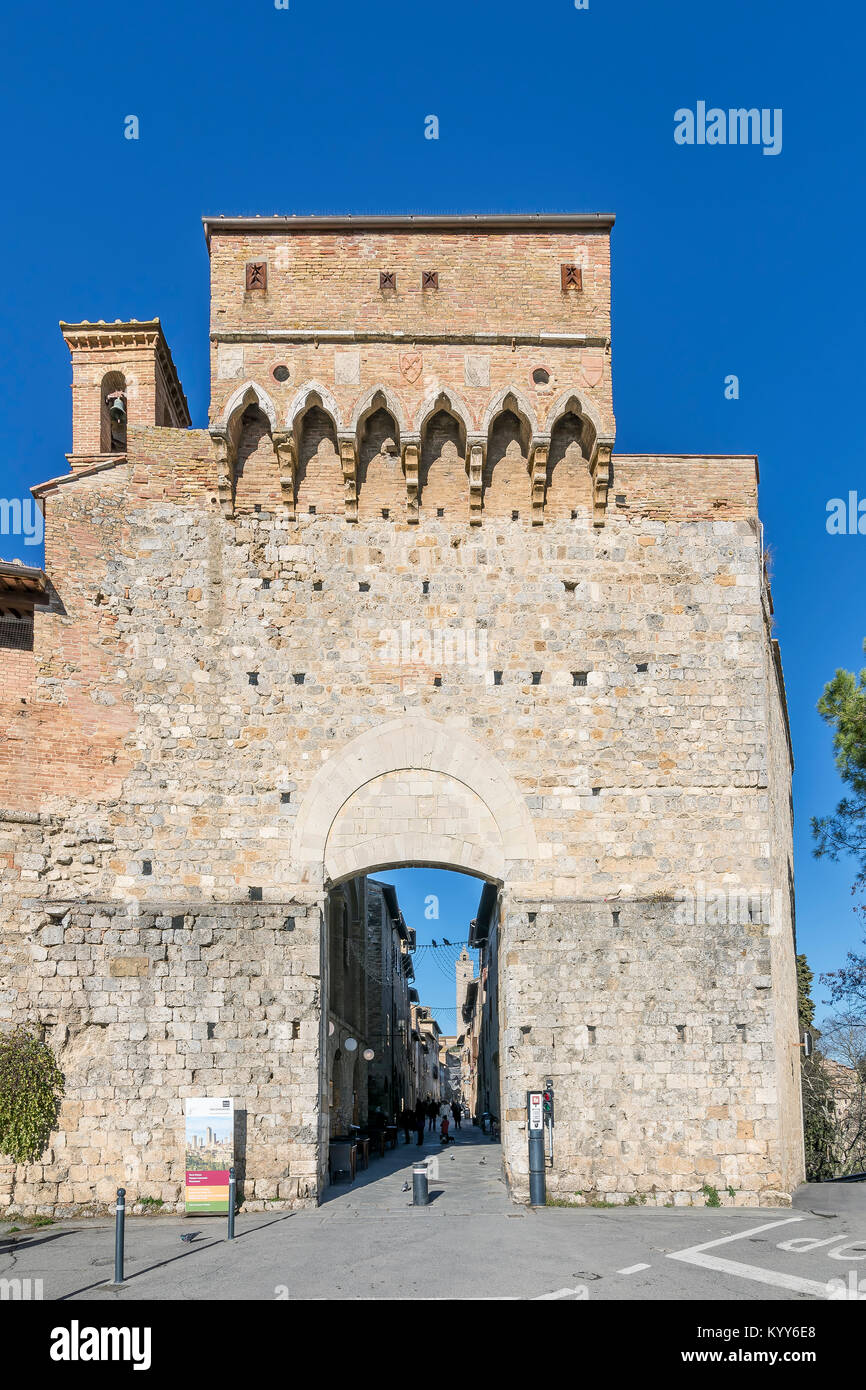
420	1194
119	1217
232	1190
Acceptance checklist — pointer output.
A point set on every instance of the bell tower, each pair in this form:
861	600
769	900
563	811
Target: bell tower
465	968
122	374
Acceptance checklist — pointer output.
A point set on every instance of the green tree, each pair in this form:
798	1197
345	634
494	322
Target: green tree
843	707
31	1089
820	1120
805	1003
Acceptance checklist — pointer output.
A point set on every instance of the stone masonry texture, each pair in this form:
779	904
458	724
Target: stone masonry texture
401	602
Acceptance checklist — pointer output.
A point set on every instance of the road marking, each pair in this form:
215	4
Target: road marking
695	1256
632	1269
581	1292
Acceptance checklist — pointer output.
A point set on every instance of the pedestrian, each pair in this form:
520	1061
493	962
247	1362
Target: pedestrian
419	1122
432	1112
455	1111
444	1121
407	1122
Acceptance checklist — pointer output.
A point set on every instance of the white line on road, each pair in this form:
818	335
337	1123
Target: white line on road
632	1269
579	1293
695	1256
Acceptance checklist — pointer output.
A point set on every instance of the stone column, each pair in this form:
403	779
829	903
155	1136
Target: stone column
287	461
600	471
225	470
475	468
411	463
349	461
538	454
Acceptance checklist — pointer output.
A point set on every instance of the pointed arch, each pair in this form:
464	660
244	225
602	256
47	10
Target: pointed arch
250	393
301	400
442	398
510	399
378	397
572	402
506	486
381	480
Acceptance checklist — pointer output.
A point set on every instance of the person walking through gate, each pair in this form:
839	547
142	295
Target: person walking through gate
455	1111
407	1122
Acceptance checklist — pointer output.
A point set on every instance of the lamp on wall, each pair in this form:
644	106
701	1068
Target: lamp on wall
369	1054
351	1044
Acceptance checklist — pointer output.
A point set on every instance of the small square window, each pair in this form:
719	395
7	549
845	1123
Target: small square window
429	279
257	275
387	280
255	895
579	677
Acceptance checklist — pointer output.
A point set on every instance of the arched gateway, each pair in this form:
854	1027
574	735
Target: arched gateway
401	604
414	791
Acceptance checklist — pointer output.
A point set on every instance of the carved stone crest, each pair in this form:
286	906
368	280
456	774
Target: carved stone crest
411	364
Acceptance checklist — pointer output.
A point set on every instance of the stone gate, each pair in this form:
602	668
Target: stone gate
401	603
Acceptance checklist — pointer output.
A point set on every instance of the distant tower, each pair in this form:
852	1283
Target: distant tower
465	967
120	371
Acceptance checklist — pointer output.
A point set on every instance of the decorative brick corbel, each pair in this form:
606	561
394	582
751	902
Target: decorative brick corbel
538	453
287	460
225	482
349	460
600	472
475	446
411	462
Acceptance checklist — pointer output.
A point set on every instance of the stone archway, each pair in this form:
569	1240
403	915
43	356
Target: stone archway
413	791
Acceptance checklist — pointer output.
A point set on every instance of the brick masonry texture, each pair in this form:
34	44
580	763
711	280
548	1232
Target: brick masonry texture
419	696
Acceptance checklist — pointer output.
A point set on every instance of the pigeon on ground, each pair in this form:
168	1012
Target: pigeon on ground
190	1237
482	1160
405	1187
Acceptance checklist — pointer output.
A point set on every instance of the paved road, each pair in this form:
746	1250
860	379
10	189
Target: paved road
471	1242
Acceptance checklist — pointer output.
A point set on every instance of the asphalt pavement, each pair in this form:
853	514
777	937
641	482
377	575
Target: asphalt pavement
367	1241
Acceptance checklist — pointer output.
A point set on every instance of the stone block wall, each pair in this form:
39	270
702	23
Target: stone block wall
145	1008
659	1038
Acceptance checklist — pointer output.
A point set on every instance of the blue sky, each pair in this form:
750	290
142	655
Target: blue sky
725	260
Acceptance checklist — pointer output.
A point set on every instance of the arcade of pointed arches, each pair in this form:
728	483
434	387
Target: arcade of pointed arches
444	462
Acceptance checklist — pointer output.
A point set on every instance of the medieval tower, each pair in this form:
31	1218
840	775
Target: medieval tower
401	603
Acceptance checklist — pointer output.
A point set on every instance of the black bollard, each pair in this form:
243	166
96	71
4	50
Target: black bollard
119	1217
232	1188
420	1194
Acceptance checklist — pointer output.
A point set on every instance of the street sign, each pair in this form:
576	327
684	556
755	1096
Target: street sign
536	1114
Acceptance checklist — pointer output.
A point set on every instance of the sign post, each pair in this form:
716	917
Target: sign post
210	1155
535	1124
548	1118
